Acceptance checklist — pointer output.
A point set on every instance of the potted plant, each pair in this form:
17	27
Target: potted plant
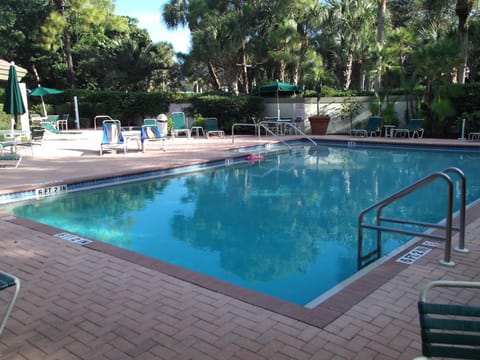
319	122
315	75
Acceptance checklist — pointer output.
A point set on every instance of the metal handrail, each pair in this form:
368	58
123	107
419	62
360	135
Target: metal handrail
259	126
264	125
448	227
297	129
257	130
104	117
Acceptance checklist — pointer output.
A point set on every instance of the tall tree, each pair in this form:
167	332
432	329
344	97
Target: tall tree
350	24
20	31
71	22
234	39
381	14
463	9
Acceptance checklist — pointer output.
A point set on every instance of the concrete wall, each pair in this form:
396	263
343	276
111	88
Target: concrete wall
289	108
305	107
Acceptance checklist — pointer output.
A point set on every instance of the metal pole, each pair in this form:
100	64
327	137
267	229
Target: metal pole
77	117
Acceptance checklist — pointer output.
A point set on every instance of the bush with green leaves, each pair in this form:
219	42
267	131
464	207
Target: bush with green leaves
227	109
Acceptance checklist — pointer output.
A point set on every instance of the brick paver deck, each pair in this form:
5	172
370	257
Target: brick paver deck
79	302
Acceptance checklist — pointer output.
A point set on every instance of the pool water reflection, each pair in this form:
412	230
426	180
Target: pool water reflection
285	226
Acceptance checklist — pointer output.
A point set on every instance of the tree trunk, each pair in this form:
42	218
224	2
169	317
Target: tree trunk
347	72
382	9
281	70
246	85
213	74
463	9
60	5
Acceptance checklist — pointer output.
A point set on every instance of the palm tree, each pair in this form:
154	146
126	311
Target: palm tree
349	23
381	13
463	9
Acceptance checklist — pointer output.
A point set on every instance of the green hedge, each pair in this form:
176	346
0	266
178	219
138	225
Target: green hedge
129	108
226	108
132	108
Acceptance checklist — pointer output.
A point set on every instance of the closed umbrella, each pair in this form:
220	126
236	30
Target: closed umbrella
277	89
13	97
42	91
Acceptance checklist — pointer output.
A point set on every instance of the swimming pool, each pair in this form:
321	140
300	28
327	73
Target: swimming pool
286	226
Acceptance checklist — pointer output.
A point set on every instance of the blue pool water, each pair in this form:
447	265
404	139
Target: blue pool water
286	227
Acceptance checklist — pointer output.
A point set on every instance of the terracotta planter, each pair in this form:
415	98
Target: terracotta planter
319	124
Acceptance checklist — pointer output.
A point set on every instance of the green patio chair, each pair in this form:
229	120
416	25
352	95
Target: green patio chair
7	144
413	129
36	138
150	122
180	124
211	126
373	128
10	160
449	330
7	281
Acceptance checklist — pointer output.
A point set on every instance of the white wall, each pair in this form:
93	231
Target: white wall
331	106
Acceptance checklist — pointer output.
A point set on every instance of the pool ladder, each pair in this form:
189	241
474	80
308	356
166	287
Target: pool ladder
365	259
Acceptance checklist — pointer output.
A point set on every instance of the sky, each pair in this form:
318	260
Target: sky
149	16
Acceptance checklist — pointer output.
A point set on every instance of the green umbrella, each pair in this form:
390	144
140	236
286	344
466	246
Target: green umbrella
277	89
42	91
13	96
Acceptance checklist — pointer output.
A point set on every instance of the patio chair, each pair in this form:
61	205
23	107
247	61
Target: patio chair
413	129
151	133
179	124
10	160
474	136
52	119
62	123
52	130
7	144
36	138
150	122
373	128
449	330
49	127
6	281
112	137
211	126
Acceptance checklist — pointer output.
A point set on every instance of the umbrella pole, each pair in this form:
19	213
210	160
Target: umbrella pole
278	106
44	108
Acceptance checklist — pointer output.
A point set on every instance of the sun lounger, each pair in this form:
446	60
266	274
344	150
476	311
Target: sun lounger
413	129
151	133
112	137
371	129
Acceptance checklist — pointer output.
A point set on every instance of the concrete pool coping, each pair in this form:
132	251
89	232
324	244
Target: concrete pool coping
329	315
